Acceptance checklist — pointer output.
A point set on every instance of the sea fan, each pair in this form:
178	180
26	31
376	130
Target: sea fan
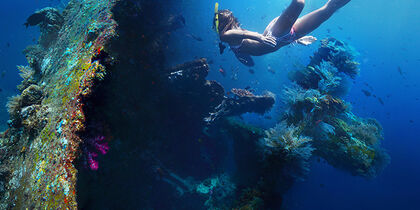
14	105
295	150
295	94
332	81
26	72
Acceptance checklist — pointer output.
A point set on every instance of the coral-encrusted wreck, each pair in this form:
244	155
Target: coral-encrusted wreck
102	123
40	147
54	125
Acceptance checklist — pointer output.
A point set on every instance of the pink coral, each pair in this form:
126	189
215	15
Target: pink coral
101	145
93	164
92	147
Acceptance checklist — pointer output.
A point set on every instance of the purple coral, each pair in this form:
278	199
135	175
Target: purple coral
101	145
92	147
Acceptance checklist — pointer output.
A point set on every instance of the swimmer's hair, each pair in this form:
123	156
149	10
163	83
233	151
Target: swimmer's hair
226	21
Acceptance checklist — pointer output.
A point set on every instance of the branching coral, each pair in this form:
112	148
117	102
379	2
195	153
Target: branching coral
310	105
296	94
368	131
14	105
340	54
332	81
351	143
286	143
26	72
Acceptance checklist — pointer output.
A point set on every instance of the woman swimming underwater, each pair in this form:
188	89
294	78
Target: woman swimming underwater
281	31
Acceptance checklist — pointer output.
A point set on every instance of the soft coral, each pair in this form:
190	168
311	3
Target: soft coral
91	149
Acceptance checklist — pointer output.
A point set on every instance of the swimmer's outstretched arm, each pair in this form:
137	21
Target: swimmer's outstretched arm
236	35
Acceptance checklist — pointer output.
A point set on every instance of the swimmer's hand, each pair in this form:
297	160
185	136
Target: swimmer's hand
306	40
269	40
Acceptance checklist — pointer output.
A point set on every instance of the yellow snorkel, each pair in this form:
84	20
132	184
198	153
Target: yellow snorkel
216	18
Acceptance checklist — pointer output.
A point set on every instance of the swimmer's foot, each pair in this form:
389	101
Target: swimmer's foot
337	4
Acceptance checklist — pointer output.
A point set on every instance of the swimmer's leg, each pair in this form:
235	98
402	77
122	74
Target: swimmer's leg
313	20
284	23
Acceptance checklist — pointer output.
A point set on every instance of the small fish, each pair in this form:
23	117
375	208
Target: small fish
271	70
321	185
381	101
400	71
3	73
251	71
367	93
222	71
328	30
263	17
1	90
339	27
210	61
367	85
247	87
411	121
197	38
8	44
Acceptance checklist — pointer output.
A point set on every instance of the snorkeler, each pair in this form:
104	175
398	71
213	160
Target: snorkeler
281	31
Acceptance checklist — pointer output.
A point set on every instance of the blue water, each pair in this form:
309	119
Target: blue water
385	33
14	38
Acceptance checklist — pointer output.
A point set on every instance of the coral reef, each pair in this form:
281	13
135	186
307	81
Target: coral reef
27	74
40	159
315	106
285	144
353	145
339	54
31	95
